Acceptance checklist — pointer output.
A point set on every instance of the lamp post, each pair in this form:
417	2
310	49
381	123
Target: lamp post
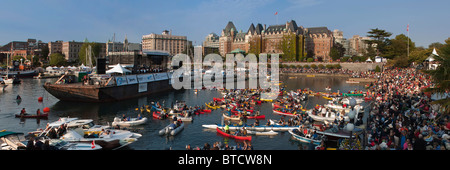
351	115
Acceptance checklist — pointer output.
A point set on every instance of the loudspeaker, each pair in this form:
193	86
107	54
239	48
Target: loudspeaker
101	66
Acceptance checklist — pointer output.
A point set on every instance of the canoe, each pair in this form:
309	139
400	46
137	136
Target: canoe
262	128
233	136
131	122
353	94
32	116
283	113
303	138
269	133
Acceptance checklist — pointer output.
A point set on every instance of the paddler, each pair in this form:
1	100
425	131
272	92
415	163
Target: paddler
227	129
23	112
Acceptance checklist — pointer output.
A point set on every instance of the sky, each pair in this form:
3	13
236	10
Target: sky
99	20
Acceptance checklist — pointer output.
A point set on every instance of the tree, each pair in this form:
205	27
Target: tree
399	47
380	37
441	76
292	47
95	49
256	45
57	59
44	53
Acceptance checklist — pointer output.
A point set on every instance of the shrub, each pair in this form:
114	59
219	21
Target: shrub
310	60
313	66
321	66
306	66
377	69
338	66
329	66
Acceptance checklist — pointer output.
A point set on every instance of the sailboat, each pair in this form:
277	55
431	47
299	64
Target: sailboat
6	78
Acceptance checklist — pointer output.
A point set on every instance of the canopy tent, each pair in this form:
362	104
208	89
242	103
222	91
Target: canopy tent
118	69
432	55
237	50
369	60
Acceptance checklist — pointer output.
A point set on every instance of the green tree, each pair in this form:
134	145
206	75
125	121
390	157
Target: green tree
95	49
399	47
441	76
256	45
57	59
334	54
288	46
380	37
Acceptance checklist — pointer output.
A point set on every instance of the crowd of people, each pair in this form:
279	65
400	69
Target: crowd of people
402	117
220	146
317	71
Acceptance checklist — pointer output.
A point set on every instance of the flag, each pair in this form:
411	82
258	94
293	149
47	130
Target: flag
276	13
407	28
93	144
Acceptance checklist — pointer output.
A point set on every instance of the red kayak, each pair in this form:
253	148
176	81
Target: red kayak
282	113
207	110
233	136
157	115
218	99
257	117
32	116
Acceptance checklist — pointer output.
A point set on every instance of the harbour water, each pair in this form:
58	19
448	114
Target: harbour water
194	134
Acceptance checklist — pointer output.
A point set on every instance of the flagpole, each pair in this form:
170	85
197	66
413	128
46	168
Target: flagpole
407	29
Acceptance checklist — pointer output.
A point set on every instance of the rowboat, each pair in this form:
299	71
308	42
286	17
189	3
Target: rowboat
328	116
32	116
183	118
253	128
131	122
296	134
233	136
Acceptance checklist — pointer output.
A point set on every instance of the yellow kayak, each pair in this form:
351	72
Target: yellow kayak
212	107
266	100
328	98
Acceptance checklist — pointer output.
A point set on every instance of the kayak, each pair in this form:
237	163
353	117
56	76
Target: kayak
283	113
32	116
212	107
269	133
328	98
157	115
353	94
131	122
253	128
233	136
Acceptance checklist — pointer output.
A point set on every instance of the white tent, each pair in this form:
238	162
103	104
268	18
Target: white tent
369	60
118	69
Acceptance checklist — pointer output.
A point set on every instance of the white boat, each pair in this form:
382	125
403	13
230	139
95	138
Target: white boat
108	139
254	128
304	138
132	122
324	115
183	118
268	133
170	129
83	130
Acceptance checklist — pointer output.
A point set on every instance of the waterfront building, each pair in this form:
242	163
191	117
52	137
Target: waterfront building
173	44
261	39
319	40
358	45
55	47
22	48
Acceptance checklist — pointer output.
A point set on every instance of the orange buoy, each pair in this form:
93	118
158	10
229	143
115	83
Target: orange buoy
40	99
46	109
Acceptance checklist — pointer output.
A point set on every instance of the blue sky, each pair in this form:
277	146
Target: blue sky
98	20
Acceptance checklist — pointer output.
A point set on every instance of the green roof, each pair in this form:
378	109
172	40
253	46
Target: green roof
6	133
237	50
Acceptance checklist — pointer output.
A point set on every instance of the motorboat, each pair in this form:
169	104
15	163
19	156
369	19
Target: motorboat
132	122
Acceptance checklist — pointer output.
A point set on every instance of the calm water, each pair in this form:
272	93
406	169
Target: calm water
194	134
